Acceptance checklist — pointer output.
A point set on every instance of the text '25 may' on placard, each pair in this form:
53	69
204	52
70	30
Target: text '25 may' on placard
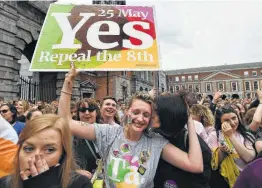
97	37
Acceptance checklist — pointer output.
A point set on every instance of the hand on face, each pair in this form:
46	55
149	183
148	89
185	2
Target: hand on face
37	166
227	129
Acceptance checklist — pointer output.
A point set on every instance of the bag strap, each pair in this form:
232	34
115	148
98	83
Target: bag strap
91	149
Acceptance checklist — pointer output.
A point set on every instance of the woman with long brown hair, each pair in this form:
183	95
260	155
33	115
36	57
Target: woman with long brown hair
45	157
87	111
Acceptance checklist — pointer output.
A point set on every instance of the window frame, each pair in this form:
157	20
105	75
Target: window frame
249	86
196	78
254	72
178	87
254	85
232	86
210	87
197	87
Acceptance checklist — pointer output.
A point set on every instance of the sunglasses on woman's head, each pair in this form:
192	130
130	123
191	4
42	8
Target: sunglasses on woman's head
3	111
83	109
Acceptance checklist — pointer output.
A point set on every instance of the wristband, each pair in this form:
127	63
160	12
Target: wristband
66	92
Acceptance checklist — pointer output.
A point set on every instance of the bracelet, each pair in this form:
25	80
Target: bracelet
66	92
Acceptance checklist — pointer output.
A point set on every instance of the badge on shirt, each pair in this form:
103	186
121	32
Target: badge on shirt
125	148
144	157
141	170
116	153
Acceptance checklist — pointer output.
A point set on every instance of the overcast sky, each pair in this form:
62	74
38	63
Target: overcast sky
205	33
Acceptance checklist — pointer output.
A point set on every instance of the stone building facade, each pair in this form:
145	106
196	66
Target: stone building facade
242	79
20	25
119	84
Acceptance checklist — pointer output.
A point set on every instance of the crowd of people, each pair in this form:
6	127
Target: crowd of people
167	141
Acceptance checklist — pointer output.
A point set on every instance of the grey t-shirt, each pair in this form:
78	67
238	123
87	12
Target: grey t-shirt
128	164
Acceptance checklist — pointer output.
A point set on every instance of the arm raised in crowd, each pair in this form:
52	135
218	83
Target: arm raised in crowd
258	114
191	161
204	96
213	103
77	128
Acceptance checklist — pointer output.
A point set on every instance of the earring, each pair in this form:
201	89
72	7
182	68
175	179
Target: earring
129	119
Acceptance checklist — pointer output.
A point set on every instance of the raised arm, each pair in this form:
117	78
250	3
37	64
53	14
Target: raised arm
213	103
258	114
191	161
203	98
79	129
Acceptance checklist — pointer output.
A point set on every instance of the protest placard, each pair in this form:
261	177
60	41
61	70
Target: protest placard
97	37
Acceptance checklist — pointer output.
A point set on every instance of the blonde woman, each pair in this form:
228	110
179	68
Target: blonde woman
204	115
22	108
45	157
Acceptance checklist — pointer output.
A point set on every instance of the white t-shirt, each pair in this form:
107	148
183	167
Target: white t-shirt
127	163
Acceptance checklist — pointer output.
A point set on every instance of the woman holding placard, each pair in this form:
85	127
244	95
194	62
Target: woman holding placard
131	153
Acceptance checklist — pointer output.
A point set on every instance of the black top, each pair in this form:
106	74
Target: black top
49	179
170	176
21	118
85	158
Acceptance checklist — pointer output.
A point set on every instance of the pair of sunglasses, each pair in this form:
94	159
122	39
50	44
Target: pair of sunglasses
3	111
89	109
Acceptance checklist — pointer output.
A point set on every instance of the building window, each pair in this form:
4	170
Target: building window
247	86
170	79
221	86
171	89
208	87
246	73
254	73
190	88
260	72
197	88
123	73
177	79
124	93
189	78
143	75
146	76
234	86
177	88
196	77
141	89
255	85
183	78
183	87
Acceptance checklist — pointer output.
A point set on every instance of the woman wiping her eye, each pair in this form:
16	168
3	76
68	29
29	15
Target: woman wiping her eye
45	157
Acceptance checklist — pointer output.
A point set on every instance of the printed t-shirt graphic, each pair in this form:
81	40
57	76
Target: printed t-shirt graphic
128	164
